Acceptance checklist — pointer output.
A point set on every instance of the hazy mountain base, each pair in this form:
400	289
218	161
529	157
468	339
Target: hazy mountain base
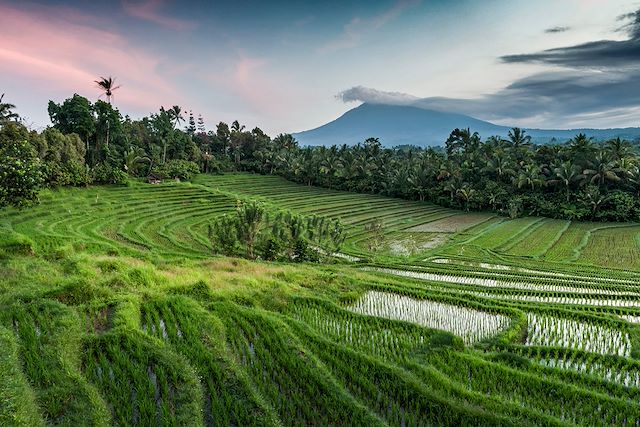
405	125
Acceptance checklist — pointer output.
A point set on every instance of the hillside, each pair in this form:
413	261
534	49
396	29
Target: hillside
113	311
413	125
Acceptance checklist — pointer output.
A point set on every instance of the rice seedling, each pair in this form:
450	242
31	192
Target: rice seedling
471	325
546	330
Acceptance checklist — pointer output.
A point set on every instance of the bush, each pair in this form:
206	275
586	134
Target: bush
618	206
271	249
71	173
302	251
20	174
181	169
274	234
105	174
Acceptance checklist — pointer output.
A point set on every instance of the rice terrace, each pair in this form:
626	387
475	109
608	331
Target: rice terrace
409	263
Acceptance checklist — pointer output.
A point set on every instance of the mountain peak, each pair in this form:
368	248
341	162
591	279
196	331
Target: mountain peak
412	125
394	125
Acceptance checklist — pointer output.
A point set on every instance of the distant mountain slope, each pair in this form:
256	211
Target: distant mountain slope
398	125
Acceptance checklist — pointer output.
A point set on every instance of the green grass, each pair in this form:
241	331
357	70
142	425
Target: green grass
114	312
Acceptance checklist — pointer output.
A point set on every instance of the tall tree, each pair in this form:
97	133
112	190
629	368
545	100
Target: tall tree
107	85
174	116
618	149
581	148
6	113
74	115
564	175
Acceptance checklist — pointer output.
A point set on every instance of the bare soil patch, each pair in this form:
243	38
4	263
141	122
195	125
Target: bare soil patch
451	224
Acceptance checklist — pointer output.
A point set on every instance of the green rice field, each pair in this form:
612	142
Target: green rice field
114	311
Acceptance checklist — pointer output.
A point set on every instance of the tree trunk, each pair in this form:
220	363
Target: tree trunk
164	154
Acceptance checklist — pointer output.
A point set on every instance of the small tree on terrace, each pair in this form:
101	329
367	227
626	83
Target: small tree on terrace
375	229
251	218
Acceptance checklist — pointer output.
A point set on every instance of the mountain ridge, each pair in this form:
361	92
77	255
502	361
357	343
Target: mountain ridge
413	125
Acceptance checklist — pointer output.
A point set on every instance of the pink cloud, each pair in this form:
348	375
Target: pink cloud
250	83
148	10
53	53
357	28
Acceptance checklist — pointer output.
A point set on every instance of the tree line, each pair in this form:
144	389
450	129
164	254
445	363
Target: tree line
581	179
93	143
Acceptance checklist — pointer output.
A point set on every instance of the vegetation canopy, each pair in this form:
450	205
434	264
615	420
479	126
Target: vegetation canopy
247	299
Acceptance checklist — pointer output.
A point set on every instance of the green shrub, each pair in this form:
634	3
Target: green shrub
271	249
105	174
181	169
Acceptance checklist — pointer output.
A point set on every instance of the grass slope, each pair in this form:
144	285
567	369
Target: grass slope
114	312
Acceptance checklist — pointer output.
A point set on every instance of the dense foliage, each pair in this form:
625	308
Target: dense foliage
256	230
93	143
20	176
581	179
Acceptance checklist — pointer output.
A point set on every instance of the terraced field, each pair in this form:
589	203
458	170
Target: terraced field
114	312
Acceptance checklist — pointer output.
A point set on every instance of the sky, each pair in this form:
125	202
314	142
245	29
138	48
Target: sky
288	66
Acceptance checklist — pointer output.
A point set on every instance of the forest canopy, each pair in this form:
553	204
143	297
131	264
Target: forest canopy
581	179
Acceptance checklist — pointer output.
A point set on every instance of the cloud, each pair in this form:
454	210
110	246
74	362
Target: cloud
57	53
633	27
357	28
148	10
561	99
598	54
374	96
252	85
554	30
553	99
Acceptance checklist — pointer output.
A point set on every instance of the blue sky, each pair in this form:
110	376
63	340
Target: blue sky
280	65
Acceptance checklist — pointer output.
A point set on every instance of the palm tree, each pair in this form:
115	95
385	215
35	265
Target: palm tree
5	111
618	149
420	179
593	198
133	158
500	165
581	147
107	84
529	177
600	170
565	174
633	180
329	165
462	140
494	143
519	142
175	113
452	185
466	193
518	139
236	140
